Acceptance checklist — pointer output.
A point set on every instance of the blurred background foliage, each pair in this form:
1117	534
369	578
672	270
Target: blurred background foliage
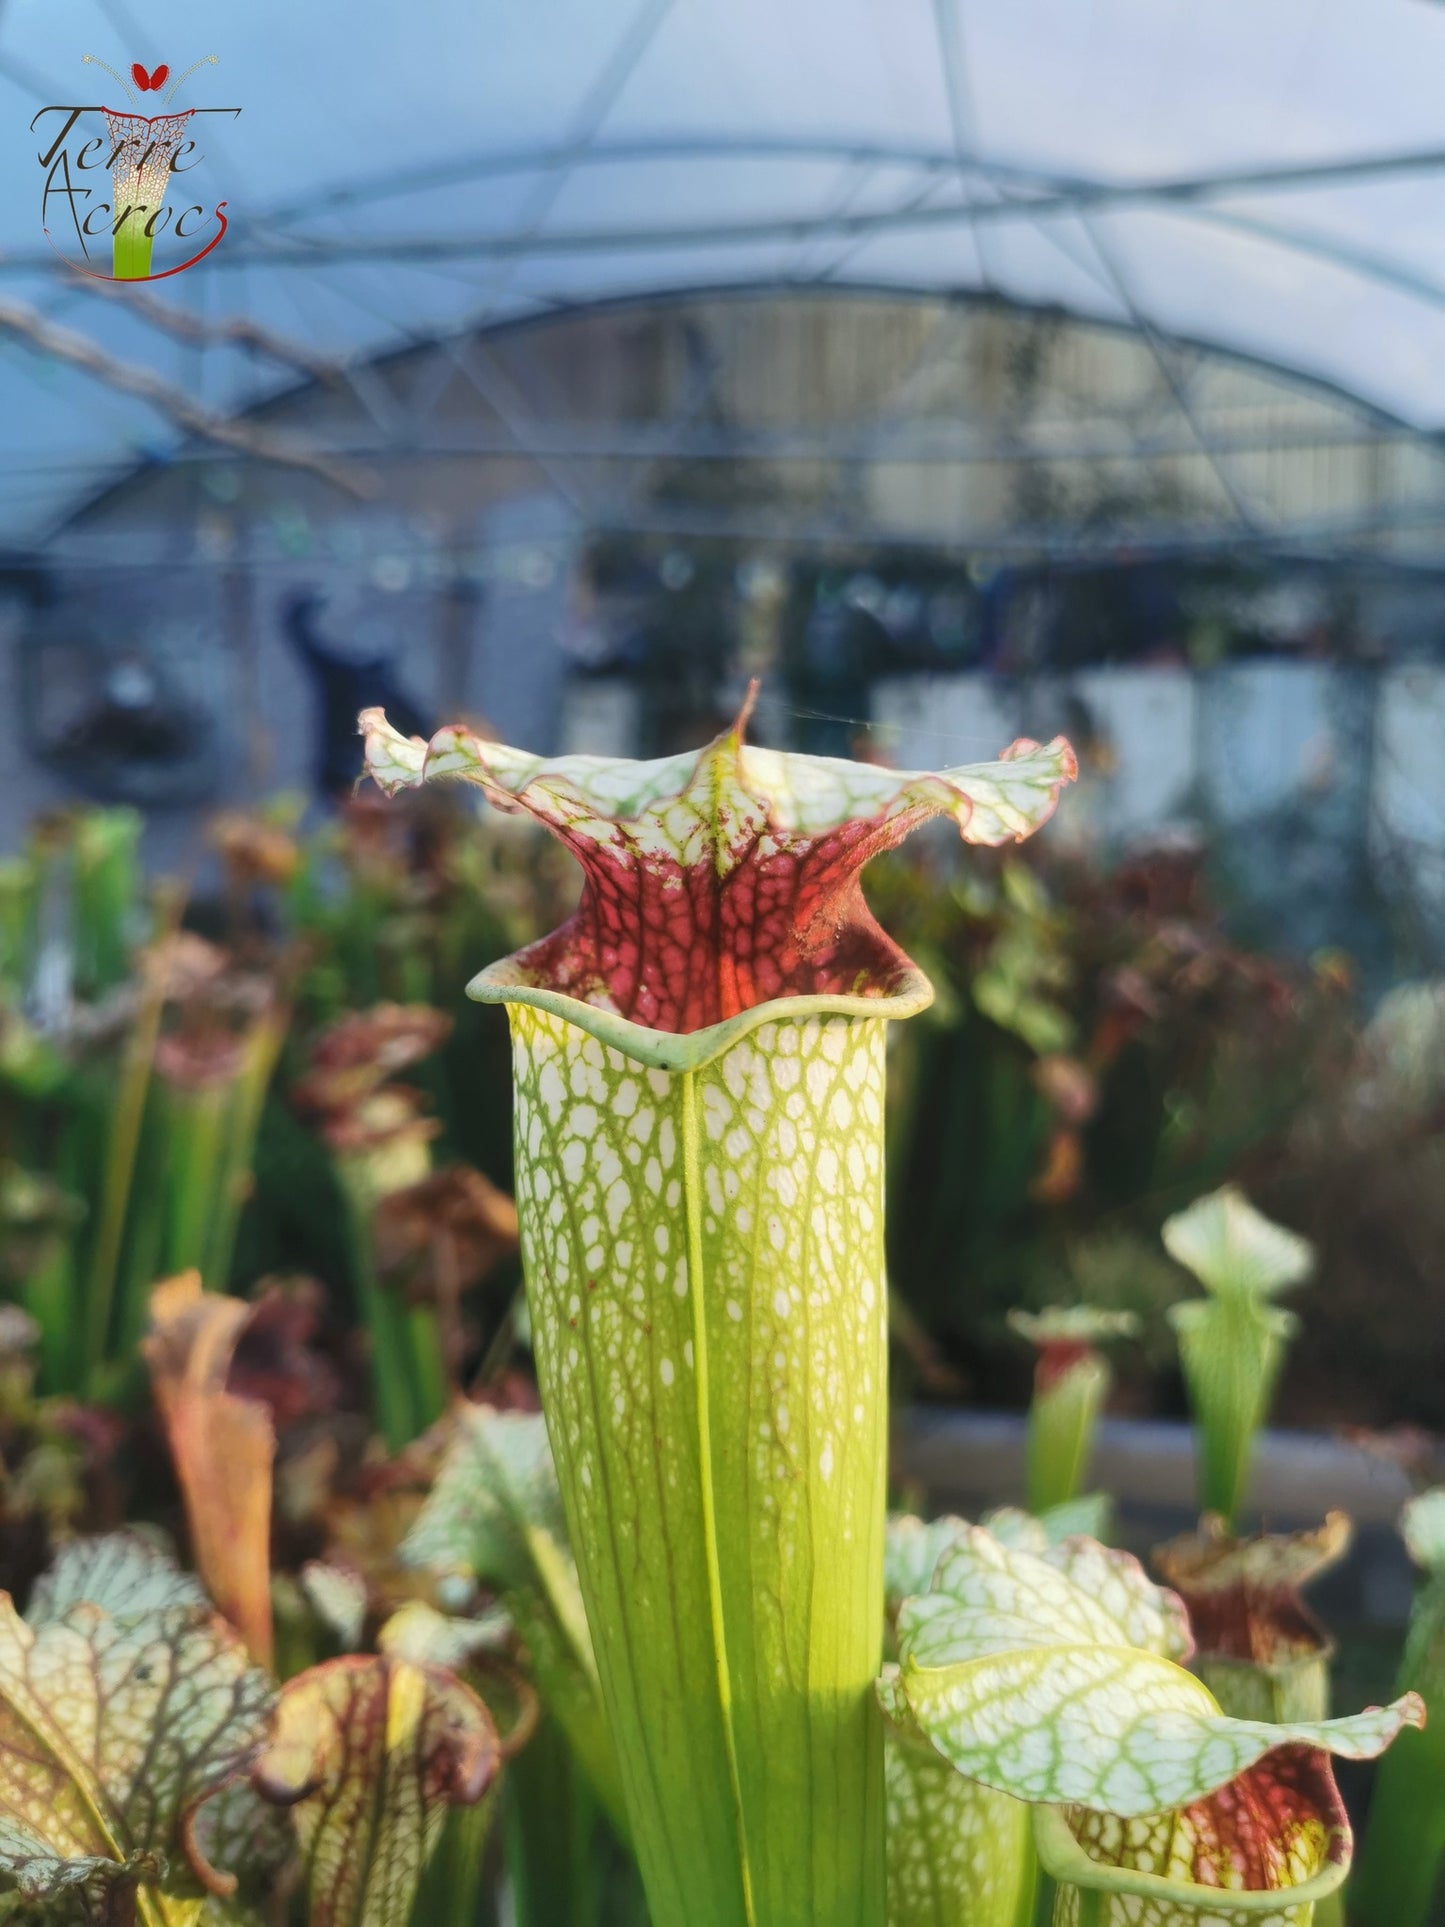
270	1071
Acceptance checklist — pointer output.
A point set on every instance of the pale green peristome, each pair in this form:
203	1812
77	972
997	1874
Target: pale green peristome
1399	1868
1140	1873
1071	1382
1231	1344
1262	1652
495	1514
698	1064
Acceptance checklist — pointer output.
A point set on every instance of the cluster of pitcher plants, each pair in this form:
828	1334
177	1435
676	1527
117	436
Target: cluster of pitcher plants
660	1649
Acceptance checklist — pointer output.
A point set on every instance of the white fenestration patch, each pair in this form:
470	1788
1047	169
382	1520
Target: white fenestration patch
1025	1670
956	1850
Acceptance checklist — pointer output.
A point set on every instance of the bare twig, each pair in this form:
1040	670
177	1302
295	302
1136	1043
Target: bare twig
238	331
80	351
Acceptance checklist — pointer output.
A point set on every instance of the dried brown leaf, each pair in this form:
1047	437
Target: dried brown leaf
253	850
444	1235
278	1361
223	1448
362	1050
1243	1595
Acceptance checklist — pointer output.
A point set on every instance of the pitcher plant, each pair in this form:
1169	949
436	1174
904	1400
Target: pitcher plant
699	1075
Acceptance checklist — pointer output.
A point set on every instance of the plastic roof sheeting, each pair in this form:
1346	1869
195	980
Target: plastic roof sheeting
1259	175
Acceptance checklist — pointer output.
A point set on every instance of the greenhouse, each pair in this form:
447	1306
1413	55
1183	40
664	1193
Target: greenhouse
722	964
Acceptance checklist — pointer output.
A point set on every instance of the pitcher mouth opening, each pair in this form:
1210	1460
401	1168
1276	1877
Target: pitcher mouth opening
509	982
673	956
721	889
1282	1821
713	902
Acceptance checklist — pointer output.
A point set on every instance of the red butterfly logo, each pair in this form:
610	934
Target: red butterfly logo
152	82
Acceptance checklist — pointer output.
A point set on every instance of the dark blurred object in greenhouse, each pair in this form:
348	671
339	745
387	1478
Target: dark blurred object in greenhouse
343	684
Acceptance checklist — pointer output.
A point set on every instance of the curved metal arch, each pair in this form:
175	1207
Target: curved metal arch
1028	208
546	160
1322	538
1067	189
543	309
1359	261
1385	423
542	313
797	228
